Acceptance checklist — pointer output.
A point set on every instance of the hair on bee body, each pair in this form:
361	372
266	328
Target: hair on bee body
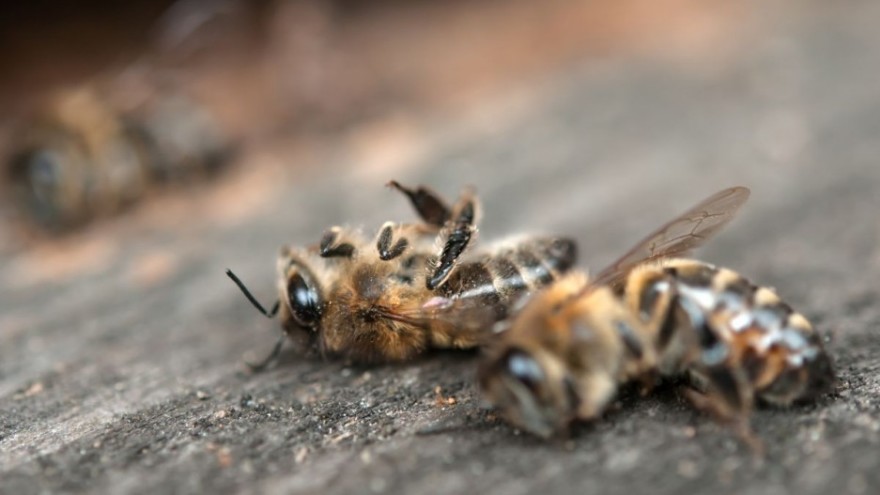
86	155
413	286
653	313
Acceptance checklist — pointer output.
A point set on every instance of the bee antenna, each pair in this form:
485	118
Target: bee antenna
244	290
266	361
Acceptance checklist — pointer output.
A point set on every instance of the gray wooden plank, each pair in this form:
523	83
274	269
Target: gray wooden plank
118	381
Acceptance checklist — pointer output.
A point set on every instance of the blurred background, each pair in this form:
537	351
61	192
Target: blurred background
145	146
180	115
321	66
99	98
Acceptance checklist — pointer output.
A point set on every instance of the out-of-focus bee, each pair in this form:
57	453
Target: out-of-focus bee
651	313
84	156
411	288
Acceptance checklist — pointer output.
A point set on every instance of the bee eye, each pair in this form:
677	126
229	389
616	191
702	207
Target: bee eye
40	170
303	299
524	368
43	168
39	174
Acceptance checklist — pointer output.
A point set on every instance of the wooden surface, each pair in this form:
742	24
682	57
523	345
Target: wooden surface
120	363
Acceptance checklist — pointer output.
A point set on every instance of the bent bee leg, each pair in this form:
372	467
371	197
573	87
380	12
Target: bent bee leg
427	203
388	249
455	238
724	392
651	294
334	245
271	357
692	339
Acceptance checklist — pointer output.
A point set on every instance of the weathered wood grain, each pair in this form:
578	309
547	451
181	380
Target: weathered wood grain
120	355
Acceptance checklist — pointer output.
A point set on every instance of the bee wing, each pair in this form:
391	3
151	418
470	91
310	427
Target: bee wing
679	236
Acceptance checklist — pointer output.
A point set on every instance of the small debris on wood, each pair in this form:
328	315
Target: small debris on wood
440	400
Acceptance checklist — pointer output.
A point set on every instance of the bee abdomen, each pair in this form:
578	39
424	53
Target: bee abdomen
533	264
793	364
499	279
731	323
473	280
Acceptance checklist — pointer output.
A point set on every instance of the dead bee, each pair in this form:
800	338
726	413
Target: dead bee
412	288
651	313
74	161
84	156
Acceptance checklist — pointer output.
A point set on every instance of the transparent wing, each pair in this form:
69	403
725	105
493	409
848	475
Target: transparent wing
679	236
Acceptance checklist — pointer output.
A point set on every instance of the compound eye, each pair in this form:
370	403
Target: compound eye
524	369
39	175
303	300
41	171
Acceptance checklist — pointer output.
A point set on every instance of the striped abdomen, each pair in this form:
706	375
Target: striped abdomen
740	340
497	280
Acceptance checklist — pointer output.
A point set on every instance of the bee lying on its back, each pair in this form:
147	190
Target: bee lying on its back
413	287
85	156
651	313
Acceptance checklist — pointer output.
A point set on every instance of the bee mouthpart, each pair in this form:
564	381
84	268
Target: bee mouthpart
385	313
437	303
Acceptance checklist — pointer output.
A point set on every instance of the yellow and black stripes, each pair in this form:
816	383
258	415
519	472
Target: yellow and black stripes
737	339
498	278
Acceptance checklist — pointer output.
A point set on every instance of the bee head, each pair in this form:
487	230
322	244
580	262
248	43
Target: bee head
532	390
372	318
46	183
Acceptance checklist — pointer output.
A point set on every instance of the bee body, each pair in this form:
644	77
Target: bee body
414	287
504	273
653	314
743	334
86	156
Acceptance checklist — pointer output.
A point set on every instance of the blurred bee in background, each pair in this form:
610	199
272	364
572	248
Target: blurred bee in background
411	288
86	155
652	314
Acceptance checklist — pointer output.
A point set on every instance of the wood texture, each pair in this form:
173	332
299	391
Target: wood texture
120	364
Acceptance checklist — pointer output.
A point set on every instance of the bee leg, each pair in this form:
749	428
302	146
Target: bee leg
331	247
647	383
729	402
458	233
430	207
387	251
